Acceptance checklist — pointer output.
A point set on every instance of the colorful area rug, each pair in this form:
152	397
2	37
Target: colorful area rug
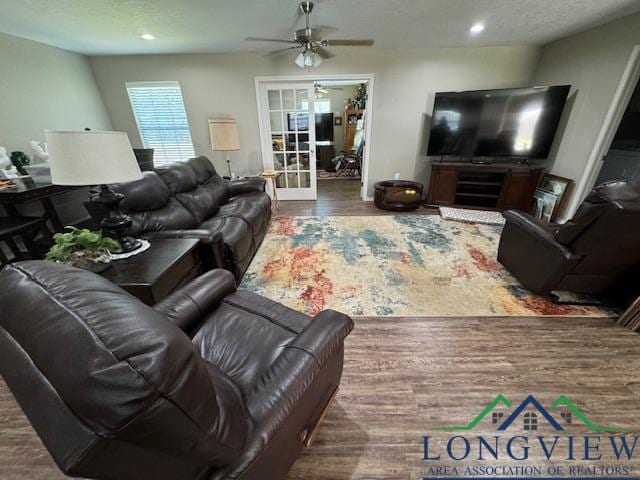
414	265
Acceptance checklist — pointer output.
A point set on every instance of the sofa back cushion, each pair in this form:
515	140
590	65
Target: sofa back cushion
604	230
208	178
152	207
181	180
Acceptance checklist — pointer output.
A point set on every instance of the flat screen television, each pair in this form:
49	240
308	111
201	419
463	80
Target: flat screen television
513	122
324	124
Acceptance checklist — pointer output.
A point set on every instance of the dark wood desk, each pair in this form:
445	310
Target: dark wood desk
152	275
27	191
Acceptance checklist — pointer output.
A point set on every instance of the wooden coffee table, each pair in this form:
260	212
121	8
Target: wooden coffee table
152	275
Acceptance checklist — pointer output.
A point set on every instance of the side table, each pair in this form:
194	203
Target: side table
273	177
152	275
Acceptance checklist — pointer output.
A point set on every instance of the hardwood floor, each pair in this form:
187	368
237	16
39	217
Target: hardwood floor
340	197
405	376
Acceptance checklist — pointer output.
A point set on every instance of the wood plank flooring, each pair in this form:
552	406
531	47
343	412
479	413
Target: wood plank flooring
340	197
405	376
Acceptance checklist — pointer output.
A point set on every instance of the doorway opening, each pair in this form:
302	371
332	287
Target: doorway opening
323	154
622	160
604	146
341	108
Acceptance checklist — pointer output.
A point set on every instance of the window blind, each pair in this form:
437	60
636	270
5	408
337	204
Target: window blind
162	121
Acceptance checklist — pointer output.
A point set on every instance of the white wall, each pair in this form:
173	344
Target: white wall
43	87
404	87
405	82
592	62
213	85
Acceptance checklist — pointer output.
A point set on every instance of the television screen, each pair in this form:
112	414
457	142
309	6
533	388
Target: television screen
517	122
324	127
324	124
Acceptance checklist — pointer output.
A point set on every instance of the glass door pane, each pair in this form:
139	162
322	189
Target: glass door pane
290	139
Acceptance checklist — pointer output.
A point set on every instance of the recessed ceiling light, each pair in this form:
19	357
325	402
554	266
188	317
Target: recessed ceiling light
147	36
477	28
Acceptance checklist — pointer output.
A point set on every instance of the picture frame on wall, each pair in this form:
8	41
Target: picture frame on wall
550	197
337	121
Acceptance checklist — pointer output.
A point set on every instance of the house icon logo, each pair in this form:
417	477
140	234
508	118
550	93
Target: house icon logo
530	414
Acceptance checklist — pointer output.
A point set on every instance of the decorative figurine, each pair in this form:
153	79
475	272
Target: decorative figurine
7	169
39	151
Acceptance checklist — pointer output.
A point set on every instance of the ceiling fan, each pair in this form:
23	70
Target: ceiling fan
310	41
320	89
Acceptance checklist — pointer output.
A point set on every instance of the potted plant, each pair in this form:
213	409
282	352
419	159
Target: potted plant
82	248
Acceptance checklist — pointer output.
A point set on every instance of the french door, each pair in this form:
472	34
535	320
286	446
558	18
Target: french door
287	132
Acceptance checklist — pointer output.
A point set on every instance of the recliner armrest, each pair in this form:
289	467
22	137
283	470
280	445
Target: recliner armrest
186	306
282	386
314	340
537	229
205	236
529	250
247	185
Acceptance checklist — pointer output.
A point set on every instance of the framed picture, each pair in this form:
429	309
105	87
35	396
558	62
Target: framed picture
544	205
559	187
337	121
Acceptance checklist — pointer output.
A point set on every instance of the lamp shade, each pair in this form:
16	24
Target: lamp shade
224	134
90	158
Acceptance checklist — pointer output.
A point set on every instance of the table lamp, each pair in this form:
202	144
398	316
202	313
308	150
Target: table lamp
224	136
84	158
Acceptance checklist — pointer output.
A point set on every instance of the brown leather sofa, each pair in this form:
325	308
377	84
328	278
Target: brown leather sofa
190	200
211	383
587	254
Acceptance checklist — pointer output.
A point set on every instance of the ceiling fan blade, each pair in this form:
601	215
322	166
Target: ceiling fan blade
282	50
260	39
350	43
323	52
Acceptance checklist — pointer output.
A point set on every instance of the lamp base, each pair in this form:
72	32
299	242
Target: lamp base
115	224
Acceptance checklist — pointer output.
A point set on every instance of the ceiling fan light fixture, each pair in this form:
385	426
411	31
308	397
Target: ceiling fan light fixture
308	59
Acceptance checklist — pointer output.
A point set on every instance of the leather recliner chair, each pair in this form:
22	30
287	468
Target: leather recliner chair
211	383
190	200
587	254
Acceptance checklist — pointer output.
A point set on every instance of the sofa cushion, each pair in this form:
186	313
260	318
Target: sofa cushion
236	234
203	169
179	177
250	208
173	216
241	318
148	193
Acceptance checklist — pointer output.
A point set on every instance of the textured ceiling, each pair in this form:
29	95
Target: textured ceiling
99	27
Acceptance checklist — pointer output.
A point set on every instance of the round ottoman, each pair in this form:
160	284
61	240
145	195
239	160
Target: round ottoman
397	195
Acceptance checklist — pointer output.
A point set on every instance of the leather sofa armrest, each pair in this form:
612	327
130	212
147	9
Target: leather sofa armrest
314	338
285	382
205	236
247	185
529	250
186	306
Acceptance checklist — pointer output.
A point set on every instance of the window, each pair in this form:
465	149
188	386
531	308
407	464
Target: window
162	120
322	105
496	417
530	421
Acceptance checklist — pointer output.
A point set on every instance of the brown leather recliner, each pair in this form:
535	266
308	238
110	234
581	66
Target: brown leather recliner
587	254
211	383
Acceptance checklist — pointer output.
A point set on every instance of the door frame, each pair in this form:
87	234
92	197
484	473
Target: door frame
621	98
369	77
